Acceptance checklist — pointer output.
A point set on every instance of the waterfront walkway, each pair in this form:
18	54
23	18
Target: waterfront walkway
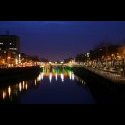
108	75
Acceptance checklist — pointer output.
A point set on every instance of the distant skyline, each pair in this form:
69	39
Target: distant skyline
57	40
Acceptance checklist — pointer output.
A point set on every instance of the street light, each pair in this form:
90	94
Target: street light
112	60
62	62
8	60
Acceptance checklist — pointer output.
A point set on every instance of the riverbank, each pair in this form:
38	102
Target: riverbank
14	74
103	90
107	76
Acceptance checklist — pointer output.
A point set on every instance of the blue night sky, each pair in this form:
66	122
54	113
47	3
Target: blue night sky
57	40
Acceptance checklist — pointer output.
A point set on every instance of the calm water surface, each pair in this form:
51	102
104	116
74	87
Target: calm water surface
60	86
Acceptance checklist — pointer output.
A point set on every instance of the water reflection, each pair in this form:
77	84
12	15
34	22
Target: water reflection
26	86
4	94
50	77
35	81
9	90
56	74
73	77
20	87
70	75
81	81
16	89
56	77
23	84
62	77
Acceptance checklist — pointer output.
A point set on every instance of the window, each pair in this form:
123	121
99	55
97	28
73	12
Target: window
1	43
13	48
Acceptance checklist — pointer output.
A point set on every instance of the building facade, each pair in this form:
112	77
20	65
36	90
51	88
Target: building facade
9	49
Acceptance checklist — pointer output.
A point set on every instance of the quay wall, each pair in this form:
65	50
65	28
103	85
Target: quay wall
12	74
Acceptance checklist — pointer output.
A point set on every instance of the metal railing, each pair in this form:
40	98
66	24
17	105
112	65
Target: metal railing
108	75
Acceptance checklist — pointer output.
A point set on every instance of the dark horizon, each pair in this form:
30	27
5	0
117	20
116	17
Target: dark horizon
57	40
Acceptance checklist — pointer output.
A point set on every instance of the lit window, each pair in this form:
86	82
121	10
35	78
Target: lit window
1	43
13	48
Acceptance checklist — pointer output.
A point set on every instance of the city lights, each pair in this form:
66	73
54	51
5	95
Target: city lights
20	87
62	77
68	62
56	76
9	90
50	77
4	94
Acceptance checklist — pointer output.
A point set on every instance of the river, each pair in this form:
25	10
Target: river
58	86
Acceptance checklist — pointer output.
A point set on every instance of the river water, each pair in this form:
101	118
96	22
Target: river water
58	86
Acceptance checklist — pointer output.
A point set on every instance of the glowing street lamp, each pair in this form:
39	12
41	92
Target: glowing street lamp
62	62
16	61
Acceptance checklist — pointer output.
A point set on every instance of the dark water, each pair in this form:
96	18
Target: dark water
58	86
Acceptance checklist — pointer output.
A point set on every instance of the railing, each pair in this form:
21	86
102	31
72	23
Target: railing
111	76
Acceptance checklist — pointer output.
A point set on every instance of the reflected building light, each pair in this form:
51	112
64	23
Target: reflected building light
42	75
62	77
38	78
4	95
70	75
73	77
9	90
20	87
82	81
56	77
50	77
23	84
26	86
35	81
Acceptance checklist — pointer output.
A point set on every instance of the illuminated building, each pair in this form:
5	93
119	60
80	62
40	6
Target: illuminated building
9	48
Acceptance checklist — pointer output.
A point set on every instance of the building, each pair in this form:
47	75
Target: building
9	49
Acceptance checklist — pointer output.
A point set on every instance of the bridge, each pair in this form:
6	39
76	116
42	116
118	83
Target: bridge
70	64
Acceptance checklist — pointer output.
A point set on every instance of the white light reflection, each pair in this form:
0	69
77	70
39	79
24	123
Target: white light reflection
4	95
20	87
50	77
73	77
9	90
35	81
82	81
42	75
62	77
70	75
56	76
26	86
23	84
